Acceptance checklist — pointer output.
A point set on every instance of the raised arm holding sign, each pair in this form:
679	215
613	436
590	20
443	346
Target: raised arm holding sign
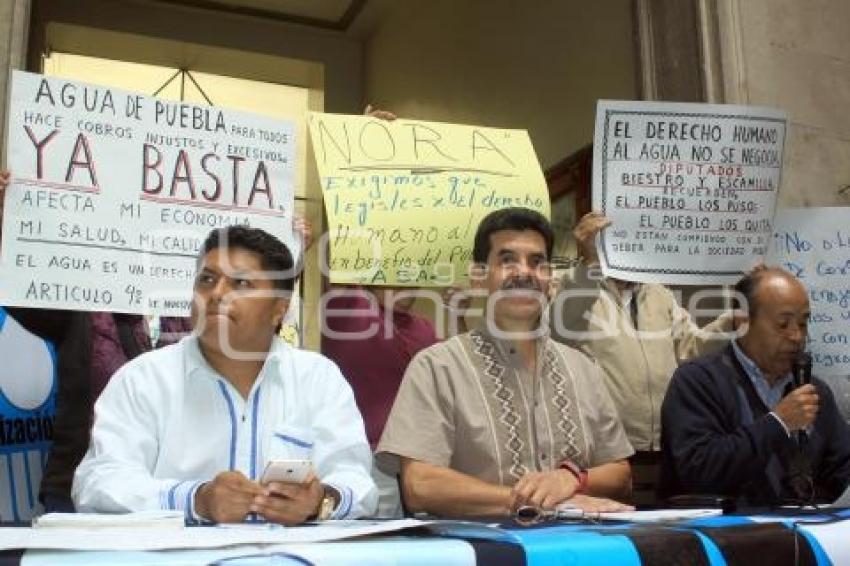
637	332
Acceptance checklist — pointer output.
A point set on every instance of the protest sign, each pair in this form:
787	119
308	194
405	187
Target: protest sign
814	245
114	192
404	198
690	189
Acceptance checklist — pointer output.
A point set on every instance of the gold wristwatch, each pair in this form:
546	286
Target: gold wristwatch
327	506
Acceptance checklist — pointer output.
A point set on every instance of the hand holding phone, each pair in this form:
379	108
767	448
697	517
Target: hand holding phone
292	471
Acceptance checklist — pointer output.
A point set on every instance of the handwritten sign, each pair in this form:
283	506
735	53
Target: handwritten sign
404	198
690	189
114	193
814	245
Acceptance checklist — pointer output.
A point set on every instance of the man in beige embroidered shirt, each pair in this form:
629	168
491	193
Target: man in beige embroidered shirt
637	333
503	416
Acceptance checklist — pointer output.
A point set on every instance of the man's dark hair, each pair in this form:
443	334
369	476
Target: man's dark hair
747	287
274	255
514	218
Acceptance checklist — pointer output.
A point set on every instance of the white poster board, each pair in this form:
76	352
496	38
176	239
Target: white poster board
814	245
114	192
690	189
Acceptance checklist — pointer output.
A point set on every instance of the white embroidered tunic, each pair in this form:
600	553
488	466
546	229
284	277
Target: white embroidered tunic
167	422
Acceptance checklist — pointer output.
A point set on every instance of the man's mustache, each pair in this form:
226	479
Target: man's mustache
528	283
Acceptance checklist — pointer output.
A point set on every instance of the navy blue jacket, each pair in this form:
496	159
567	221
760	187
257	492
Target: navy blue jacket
717	438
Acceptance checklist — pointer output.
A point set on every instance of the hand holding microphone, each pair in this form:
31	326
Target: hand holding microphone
799	408
802	370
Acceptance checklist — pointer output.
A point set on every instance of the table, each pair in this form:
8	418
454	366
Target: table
717	541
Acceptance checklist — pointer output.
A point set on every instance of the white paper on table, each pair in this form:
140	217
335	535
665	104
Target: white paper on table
656	516
495	531
129	538
142	519
660	515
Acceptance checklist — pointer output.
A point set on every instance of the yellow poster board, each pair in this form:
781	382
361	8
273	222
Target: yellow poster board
404	198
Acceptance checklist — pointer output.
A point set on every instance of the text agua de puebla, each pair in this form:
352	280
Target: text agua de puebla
702	181
181	168
429	252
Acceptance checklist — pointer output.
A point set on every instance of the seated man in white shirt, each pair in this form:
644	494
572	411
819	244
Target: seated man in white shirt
191	426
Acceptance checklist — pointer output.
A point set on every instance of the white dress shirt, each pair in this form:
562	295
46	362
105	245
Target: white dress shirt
167	422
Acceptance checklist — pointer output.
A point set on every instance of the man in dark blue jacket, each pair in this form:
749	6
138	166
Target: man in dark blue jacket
734	424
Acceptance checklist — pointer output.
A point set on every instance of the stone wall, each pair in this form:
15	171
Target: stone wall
796	56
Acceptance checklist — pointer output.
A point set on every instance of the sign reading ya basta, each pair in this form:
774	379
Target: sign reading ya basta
114	192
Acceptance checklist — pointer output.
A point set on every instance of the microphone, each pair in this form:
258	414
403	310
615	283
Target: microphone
802	370
801	374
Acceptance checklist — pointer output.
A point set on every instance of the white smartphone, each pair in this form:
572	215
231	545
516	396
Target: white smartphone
295	471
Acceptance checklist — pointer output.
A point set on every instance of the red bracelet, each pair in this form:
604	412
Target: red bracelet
579	473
